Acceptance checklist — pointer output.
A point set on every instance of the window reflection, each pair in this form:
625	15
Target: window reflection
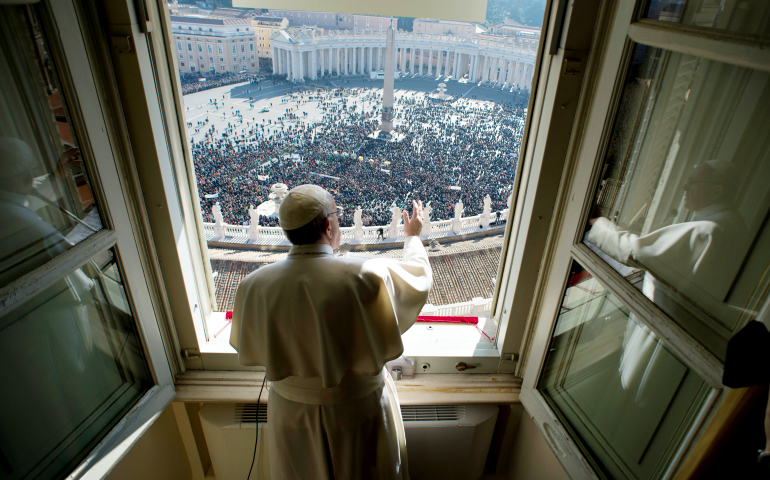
681	208
625	397
740	16
71	364
46	202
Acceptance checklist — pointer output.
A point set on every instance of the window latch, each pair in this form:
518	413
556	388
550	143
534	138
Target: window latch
462	366
192	353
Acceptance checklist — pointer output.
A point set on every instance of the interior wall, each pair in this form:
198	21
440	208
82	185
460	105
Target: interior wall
158	455
531	458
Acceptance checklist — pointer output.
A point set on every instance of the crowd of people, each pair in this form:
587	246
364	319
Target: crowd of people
444	151
192	83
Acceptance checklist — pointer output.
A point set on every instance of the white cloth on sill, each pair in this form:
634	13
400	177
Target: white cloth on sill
324	327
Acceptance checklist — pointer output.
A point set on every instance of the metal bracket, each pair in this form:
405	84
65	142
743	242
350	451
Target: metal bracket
123	43
571	66
192	353
510	357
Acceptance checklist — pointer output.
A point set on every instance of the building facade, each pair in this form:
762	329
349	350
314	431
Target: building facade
427	25
308	53
264	28
214	45
334	21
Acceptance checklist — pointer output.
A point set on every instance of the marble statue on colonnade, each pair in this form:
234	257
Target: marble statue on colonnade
459	210
457	222
358	225
426	220
254	223
219	221
393	227
487	212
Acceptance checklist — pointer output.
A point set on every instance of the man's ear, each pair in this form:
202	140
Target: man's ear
328	228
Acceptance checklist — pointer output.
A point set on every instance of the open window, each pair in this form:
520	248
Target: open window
83	363
310	111
658	240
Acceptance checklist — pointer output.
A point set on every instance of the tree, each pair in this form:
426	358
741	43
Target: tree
525	12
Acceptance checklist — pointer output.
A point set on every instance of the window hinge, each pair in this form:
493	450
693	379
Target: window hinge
510	357
192	353
571	66
123	43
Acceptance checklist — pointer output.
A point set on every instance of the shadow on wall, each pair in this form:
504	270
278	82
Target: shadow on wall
531	457
158	455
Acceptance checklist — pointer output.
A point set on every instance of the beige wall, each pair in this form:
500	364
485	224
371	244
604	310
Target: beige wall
531	457
158	455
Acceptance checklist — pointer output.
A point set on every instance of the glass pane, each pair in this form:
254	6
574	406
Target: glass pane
740	16
681	209
71	365
626	399
46	201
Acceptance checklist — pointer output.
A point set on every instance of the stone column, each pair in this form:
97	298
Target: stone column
346	60
339	61
485	71
430	62
528	81
314	66
371	58
290	64
275	65
411	60
422	59
302	73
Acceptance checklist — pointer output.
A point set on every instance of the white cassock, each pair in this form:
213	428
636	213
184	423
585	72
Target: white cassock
699	258
324	327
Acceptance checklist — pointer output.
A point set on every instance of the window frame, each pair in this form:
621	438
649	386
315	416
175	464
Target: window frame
219	355
74	50
623	29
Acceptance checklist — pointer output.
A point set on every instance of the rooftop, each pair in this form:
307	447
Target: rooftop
210	21
461	270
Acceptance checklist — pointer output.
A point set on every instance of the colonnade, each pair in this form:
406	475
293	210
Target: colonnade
334	55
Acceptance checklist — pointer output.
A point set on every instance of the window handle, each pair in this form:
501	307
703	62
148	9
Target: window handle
462	366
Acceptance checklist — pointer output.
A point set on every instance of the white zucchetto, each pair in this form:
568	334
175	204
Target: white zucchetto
301	205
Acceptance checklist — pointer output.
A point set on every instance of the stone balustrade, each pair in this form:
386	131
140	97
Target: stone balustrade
221	233
478	307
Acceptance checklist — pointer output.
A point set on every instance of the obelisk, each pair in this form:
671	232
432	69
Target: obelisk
387	92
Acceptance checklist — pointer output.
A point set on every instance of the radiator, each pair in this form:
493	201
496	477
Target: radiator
446	442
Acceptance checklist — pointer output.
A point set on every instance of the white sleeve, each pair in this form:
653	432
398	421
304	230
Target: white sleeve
611	240
411	279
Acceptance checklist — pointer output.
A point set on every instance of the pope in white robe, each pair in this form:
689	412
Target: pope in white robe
699	259
324	326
